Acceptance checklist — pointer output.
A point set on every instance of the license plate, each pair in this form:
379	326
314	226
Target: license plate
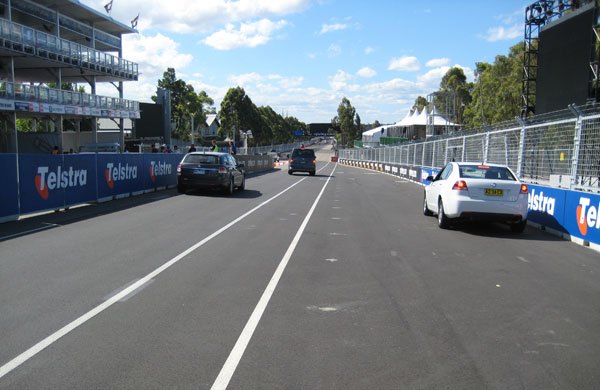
494	192
199	171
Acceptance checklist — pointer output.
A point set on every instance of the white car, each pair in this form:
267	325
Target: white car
477	192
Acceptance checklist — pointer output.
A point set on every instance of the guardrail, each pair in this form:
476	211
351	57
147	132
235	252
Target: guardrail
559	150
27	92
23	39
52	182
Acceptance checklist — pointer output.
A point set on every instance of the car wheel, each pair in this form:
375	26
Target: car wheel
312	173
518	227
443	220
243	185
290	172
181	189
229	188
426	210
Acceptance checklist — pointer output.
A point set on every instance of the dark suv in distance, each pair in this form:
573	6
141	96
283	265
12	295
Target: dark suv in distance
210	170
303	160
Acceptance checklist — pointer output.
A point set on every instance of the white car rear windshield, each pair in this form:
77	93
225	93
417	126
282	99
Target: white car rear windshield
485	172
201	159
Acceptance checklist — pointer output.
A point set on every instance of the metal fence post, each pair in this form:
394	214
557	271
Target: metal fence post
464	146
520	160
486	147
576	143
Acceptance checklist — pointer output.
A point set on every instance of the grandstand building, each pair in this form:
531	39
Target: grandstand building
49	43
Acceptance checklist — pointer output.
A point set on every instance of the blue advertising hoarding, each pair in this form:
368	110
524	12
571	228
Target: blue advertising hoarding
160	170
9	192
119	174
41	182
81	169
50	182
546	206
581	217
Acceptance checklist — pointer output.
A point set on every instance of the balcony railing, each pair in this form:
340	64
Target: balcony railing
24	39
38	94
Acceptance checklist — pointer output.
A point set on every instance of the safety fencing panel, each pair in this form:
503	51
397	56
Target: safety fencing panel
9	191
46	182
120	175
51	182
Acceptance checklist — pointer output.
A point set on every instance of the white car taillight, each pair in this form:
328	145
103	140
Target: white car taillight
524	189
460	185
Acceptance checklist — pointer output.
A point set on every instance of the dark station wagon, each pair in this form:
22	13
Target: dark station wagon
202	170
302	160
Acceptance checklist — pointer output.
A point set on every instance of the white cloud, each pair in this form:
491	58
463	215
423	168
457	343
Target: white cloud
332	27
244	79
184	16
249	35
503	34
406	63
436	62
334	50
366	72
369	50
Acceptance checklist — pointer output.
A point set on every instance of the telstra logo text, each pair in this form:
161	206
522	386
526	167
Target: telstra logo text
47	180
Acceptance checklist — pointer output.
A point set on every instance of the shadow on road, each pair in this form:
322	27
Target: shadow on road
502	231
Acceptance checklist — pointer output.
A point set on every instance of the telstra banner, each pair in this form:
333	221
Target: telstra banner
9	191
50	182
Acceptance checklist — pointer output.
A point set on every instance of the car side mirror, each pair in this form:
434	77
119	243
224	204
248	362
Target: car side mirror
430	178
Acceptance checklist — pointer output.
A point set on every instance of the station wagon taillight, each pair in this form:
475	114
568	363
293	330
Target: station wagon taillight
222	170
460	185
179	168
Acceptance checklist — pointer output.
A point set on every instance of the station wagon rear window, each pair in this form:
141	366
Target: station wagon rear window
201	159
485	172
303	153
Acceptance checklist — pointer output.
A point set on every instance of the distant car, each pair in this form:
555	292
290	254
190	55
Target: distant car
476	192
303	160
201	170
274	155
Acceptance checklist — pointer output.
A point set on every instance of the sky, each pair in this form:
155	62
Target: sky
302	57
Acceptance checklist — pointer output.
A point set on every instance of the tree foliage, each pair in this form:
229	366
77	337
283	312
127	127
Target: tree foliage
185	104
496	94
268	127
348	121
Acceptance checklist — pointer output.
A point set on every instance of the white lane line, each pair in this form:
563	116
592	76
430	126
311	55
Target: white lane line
49	226
40	346
242	342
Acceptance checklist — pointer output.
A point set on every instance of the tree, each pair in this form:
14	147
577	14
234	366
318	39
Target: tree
496	95
347	120
420	102
239	113
455	94
185	103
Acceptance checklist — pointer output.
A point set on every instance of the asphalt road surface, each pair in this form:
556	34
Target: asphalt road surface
335	281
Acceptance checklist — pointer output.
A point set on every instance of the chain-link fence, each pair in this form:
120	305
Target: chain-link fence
561	149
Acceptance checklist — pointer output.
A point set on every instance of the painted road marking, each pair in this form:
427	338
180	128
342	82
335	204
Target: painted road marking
242	342
40	346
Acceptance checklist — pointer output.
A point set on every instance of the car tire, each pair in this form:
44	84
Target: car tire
229	188
290	172
242	186
426	210
518	227
181	189
443	220
312	173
